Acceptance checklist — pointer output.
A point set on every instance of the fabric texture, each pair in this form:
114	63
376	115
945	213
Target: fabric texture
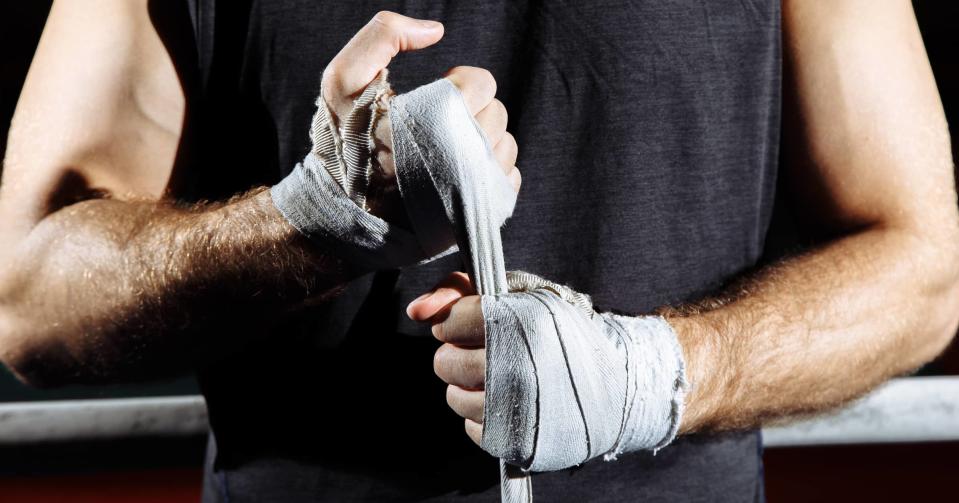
325	196
452	184
452	187
317	206
565	384
346	146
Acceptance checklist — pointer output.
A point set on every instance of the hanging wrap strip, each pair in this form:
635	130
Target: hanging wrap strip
443	162
564	384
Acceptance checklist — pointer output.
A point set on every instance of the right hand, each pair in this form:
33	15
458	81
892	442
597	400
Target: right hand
369	52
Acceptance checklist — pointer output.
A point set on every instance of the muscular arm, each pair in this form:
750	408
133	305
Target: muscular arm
873	172
105	289
105	278
101	276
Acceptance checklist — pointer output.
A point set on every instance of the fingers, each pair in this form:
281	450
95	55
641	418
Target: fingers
492	119
474	430
371	50
453	287
465	403
477	86
463	367
515	178
505	152
462	323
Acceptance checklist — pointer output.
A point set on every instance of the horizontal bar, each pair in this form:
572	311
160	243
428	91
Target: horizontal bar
909	409
913	409
101	419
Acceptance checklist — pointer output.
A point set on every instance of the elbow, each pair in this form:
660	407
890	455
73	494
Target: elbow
942	311
36	363
944	332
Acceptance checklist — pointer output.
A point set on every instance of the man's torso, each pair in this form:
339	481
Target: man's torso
648	136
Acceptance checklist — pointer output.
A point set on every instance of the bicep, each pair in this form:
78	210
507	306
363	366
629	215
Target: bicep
101	112
866	141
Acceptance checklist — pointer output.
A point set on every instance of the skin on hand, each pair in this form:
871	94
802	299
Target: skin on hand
367	54
455	313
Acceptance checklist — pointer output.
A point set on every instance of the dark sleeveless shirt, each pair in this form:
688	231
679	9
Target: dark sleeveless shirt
648	137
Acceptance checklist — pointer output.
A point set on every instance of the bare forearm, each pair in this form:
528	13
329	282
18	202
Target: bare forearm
818	329
102	288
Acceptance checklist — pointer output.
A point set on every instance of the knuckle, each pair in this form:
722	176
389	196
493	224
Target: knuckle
386	19
451	398
477	367
332	77
473	430
329	73
445	331
484	74
471	368
501	108
486	77
440	361
499	111
510	141
468	315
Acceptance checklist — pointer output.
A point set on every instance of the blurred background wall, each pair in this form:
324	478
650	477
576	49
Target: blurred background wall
168	470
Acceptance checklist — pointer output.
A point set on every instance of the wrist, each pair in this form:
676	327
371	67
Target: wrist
258	228
705	373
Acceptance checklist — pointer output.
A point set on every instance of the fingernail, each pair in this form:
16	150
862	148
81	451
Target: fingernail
410	306
430	25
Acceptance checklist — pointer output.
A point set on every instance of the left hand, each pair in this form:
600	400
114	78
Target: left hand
455	312
363	58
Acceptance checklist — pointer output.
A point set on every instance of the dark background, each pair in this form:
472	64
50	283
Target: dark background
165	470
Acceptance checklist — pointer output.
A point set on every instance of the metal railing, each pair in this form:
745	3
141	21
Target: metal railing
913	409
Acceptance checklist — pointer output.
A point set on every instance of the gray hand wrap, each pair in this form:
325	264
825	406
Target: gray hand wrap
347	153
565	384
452	184
325	196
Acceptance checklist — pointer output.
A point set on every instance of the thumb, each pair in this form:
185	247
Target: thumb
372	48
456	286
